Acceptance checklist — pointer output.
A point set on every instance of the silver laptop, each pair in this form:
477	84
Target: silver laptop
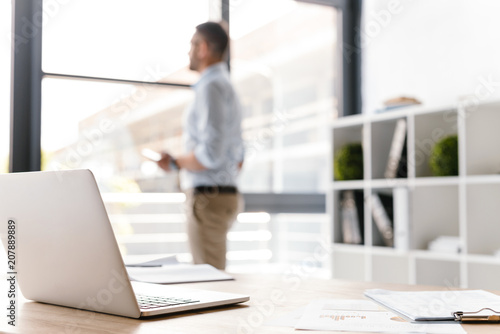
66	251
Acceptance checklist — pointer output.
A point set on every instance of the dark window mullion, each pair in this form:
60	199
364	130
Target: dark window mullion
349	53
26	86
225	8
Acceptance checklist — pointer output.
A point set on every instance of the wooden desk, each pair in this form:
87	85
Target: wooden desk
270	297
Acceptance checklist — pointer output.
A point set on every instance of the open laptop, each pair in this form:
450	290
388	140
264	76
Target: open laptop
66	251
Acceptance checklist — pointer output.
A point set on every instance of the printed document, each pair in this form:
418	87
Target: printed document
364	316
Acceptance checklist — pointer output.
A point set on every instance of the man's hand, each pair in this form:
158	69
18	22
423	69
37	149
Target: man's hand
187	161
164	162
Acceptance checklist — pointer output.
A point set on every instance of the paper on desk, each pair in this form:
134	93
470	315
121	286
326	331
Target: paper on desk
364	316
177	273
291	319
433	305
167	260
287	320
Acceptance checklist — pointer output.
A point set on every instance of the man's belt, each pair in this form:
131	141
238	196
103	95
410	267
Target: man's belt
215	190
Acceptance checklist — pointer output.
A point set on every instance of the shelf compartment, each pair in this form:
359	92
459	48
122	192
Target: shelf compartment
349	263
436	272
483	276
338	228
483	210
482	138
386	200
348	135
434	213
382	133
390	268
429	129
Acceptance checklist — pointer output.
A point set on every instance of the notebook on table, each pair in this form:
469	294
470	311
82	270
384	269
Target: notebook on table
66	252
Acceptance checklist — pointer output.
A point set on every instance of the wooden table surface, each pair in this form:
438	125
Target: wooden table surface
270	297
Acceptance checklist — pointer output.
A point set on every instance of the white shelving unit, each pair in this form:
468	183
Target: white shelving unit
466	206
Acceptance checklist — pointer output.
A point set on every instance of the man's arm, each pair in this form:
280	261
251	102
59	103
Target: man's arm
189	162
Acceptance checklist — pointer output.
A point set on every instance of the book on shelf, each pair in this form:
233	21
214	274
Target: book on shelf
397	161
382	219
359	201
351	219
398	102
402	171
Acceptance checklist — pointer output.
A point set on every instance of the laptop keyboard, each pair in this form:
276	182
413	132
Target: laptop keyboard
152	302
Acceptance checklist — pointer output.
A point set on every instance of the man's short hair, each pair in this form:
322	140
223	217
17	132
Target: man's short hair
215	36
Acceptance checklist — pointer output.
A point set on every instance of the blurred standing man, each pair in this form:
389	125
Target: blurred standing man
214	146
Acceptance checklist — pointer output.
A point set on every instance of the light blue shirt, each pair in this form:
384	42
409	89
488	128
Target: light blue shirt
212	130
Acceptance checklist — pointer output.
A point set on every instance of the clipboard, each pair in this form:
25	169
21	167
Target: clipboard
448	305
475	317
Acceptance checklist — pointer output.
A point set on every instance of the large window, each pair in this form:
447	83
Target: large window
107	132
96	114
283	64
120	84
145	40
5	28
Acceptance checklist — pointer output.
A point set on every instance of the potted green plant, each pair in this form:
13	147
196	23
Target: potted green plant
348	162
443	160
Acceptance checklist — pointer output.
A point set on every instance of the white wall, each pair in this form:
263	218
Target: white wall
434	50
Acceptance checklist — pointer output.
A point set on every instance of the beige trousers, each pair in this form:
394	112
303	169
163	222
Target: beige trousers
209	218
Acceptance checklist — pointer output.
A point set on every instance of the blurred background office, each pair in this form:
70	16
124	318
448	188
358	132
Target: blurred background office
113	85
